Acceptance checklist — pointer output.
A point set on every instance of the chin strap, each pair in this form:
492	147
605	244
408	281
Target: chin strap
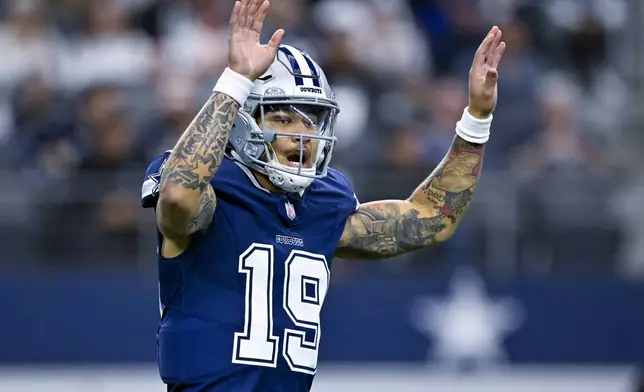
287	179
279	177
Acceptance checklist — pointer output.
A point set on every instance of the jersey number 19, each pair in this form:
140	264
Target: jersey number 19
305	285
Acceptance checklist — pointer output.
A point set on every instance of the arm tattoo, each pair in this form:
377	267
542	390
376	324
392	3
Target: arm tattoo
196	158
192	164
389	228
206	212
380	230
450	188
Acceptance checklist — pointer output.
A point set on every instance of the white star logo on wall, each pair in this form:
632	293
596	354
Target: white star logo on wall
467	327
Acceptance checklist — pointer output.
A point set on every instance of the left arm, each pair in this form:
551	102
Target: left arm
388	228
392	227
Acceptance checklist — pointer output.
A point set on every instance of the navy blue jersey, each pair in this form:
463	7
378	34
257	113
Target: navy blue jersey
241	306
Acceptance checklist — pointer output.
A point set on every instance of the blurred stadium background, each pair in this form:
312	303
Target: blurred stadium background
540	290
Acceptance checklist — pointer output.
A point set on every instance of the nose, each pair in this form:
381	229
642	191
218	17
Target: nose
300	132
296	139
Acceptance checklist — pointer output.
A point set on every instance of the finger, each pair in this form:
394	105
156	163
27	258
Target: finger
489	56
252	10
258	22
243	13
245	3
255	5
479	57
492	32
244	7
274	43
481	53
234	17
498	54
491	78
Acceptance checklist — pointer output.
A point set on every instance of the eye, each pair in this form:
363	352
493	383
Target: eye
310	122
281	119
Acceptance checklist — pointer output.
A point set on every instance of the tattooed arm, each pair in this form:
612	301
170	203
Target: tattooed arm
388	228
187	200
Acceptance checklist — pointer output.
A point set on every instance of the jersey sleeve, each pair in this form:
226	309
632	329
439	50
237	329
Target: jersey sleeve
150	187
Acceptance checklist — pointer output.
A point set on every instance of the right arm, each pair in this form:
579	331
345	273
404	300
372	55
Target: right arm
186	198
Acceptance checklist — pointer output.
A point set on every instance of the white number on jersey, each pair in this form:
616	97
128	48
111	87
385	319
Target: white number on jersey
305	285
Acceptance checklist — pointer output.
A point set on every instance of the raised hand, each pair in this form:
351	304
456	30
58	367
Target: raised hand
246	55
484	74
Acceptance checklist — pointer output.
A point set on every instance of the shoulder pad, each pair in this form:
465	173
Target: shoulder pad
150	187
350	200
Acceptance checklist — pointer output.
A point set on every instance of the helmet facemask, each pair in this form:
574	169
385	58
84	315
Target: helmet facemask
260	117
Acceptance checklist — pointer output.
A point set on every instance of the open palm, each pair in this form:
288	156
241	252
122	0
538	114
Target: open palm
484	74
246	55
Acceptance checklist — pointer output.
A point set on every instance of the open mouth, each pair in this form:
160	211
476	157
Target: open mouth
293	158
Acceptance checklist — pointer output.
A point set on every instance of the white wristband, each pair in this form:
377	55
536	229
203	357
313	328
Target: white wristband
472	129
236	86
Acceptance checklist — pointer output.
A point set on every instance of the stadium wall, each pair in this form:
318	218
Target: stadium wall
102	318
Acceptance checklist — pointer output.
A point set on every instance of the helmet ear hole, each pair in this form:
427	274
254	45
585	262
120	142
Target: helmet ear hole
240	139
320	160
325	150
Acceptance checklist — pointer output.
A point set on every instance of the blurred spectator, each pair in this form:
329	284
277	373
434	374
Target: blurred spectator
41	118
562	159
628	206
381	35
446	101
109	51
29	44
178	107
195	45
90	91
94	221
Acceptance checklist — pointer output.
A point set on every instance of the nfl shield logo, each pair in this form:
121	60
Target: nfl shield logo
290	210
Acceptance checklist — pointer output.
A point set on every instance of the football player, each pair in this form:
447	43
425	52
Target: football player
250	216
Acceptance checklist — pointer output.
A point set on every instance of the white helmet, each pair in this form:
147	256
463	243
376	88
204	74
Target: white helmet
294	83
